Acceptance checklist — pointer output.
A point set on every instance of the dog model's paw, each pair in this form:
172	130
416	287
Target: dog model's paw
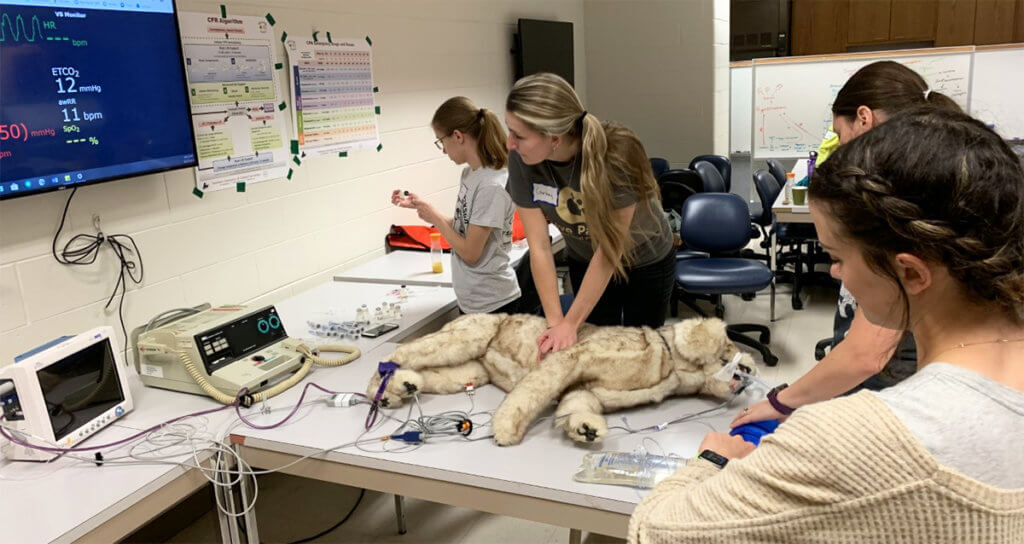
390	400
508	430
402	385
586	427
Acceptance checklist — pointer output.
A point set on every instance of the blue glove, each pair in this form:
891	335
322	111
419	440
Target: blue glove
752	432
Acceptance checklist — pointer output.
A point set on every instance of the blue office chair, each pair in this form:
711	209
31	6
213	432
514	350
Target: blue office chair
674	195
797	242
688	178
720	163
712	179
777	171
659	166
720	223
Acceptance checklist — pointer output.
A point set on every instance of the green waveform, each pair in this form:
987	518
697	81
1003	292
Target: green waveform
19	23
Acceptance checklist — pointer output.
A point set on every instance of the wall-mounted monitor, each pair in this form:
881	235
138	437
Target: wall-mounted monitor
90	91
545	46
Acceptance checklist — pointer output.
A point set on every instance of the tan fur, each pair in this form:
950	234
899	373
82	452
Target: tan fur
607	369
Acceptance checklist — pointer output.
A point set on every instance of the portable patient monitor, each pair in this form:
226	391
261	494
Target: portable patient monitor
218	352
62	392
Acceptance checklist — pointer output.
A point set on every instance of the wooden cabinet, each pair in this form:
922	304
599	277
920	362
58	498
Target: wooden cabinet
912	20
955	22
832	26
994	21
819	26
869	21
1018	31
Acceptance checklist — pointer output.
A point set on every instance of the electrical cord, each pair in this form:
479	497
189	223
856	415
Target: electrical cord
362	493
83	249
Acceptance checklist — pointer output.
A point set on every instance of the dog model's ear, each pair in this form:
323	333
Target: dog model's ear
699	338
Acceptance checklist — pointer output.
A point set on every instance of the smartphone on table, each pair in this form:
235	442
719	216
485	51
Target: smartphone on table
383	328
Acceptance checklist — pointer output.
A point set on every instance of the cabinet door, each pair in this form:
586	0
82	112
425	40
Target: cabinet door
955	22
819	26
994	21
913	20
869	21
1018	32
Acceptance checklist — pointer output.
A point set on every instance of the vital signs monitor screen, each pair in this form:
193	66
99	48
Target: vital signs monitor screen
90	91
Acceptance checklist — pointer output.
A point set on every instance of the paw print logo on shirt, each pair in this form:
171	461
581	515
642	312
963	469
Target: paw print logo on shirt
570	206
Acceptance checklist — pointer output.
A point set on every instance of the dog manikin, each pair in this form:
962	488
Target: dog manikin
608	368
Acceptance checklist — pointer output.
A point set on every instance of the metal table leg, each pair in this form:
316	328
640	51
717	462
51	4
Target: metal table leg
400	513
252	532
773	254
229	533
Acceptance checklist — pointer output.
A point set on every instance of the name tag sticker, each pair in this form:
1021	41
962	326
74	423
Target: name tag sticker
545	194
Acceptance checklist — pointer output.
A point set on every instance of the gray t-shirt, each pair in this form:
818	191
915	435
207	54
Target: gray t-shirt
968	421
483	201
555	188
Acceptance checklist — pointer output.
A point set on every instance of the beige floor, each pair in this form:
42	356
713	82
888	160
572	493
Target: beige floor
291	508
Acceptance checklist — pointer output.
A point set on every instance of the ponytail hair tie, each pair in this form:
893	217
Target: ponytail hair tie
582	117
480	113
926	93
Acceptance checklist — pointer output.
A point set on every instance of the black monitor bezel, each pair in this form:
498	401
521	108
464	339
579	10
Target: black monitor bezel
191	130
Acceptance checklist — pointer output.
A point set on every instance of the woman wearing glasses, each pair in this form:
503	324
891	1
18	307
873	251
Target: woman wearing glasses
480	232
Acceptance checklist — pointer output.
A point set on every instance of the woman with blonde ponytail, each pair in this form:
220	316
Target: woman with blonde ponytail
480	232
593	181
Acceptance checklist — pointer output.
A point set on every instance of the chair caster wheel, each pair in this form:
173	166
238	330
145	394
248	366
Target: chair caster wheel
747	296
798	304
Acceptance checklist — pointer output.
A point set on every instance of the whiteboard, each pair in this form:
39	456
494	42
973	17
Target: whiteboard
996	90
792	102
741	108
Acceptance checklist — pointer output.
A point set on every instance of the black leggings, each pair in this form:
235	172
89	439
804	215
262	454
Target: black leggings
510	308
641	299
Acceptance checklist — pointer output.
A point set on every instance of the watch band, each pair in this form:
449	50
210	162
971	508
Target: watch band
714	458
779	406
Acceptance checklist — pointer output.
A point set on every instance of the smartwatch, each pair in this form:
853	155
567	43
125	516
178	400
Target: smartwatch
714	458
773	399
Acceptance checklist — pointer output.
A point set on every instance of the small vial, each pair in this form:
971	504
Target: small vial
435	253
787	196
403	294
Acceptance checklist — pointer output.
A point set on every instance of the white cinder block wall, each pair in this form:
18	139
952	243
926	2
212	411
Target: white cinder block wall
652	65
720	55
280	237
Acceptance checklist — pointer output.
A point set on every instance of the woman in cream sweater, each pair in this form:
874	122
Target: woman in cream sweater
924	220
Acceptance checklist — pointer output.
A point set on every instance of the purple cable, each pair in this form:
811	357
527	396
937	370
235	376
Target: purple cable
236	405
238	408
20	442
386	369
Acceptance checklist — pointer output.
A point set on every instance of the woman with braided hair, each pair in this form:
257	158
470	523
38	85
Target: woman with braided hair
924	220
863	355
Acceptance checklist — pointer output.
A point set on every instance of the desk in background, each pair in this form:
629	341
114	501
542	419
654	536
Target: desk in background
786	213
413	267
